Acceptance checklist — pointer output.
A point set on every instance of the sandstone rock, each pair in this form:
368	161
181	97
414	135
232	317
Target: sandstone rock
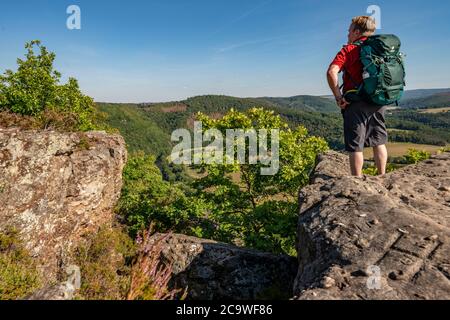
61	291
54	187
382	237
213	270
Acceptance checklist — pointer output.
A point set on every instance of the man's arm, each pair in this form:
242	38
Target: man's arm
333	82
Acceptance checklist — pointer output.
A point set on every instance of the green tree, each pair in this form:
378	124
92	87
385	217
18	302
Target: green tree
230	203
259	210
35	90
147	199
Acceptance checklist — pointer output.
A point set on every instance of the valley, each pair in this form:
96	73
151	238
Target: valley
148	126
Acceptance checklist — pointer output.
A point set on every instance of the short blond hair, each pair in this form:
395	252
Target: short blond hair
365	24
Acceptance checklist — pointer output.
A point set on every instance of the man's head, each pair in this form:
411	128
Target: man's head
362	26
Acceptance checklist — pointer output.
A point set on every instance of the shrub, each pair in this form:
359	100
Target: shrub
146	198
104	261
444	149
371	170
18	273
150	277
415	156
35	90
229	203
114	267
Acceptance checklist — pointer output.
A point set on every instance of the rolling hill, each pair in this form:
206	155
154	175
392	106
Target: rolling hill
151	124
421	98
435	100
148	126
306	103
422	93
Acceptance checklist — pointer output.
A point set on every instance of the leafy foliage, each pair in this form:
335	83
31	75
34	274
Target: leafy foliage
146	198
444	149
306	103
371	170
35	90
259	210
431	98
104	259
230	203
158	124
150	276
420	128
114	267
415	156
18	274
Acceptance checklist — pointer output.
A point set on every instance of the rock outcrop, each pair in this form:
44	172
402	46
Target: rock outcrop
218	271
60	291
384	237
54	187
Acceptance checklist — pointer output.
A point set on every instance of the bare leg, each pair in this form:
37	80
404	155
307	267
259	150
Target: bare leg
380	155
356	163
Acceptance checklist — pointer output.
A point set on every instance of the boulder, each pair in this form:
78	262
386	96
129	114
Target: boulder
61	291
55	187
217	271
385	237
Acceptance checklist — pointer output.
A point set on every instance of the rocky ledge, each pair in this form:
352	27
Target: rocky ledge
385	237
216	271
55	187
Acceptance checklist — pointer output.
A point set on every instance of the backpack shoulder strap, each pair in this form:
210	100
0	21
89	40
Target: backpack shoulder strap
357	87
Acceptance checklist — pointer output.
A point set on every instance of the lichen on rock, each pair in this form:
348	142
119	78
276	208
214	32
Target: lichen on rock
57	186
385	237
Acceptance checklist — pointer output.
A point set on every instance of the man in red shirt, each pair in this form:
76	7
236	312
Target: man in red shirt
364	123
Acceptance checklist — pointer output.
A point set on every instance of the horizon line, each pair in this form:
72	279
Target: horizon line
249	97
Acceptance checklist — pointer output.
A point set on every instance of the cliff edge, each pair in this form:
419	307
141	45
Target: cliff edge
55	187
385	237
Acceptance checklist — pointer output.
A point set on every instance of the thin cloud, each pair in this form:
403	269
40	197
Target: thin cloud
244	44
241	17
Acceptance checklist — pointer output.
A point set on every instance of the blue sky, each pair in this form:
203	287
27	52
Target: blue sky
163	50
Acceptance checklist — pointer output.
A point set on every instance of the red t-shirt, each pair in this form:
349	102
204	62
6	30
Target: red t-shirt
348	59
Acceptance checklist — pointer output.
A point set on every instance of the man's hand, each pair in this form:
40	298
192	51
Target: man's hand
342	103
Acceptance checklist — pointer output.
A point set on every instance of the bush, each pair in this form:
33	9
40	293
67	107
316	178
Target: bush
146	198
104	260
150	276
372	170
114	267
35	90
18	274
415	156
444	149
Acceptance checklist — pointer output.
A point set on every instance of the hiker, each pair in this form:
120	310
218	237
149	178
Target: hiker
364	120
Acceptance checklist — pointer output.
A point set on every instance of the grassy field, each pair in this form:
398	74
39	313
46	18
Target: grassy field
399	130
435	110
396	149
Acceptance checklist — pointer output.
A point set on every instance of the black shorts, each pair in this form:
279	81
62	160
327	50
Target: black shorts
364	126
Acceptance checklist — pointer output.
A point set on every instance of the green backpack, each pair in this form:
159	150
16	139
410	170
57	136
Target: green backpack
383	70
